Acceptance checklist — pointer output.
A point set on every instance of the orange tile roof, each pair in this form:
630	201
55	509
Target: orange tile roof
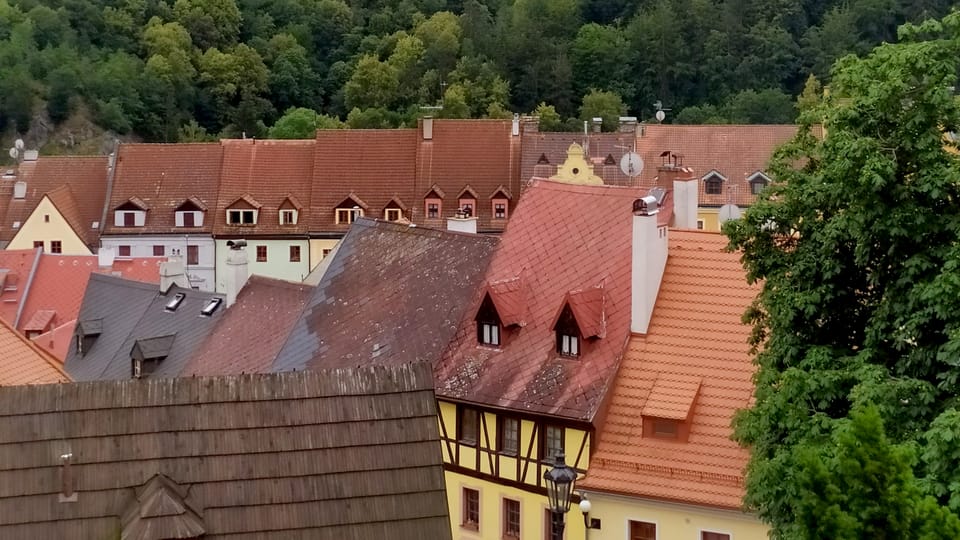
62	198
265	173
544	151
57	341
162	177
84	176
481	154
565	238
22	362
735	151
694	355
16	267
375	165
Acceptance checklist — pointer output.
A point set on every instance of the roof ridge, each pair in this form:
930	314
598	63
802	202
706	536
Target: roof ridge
49	358
279	283
117	280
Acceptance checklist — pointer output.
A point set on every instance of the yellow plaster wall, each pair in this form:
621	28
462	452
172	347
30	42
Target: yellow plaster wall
674	521
576	169
316	250
710	217
36	229
533	524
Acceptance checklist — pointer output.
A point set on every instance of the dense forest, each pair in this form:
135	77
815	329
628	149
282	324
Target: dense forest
168	70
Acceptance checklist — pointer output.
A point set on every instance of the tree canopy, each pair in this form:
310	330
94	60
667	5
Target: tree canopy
857	244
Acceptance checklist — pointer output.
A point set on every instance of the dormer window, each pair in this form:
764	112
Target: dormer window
87	332
147	354
290	210
467	202
288	217
713	183
488	323
190	213
568	333
433	203
243	212
664	428
500	203
392	214
132	213
758	181
666	413
351	209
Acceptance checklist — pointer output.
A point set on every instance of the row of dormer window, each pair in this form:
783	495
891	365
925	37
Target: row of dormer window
713	182
567	333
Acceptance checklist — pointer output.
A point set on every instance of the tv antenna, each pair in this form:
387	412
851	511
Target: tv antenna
661	111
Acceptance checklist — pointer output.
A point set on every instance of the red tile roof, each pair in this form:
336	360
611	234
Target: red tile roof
375	165
509	296
695	362
162	177
63	199
251	332
57	341
735	151
543	152
565	238
84	176
480	153
588	309
16	267
22	362
265	173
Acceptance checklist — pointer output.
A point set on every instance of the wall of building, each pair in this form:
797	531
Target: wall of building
710	217
37	228
202	275
674	521
317	247
277	265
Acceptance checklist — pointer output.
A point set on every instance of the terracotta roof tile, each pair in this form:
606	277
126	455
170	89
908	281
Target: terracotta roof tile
565	238
40	321
22	362
265	174
736	151
16	268
588	308
251	332
543	152
57	340
509	297
695	335
84	176
163	176
63	199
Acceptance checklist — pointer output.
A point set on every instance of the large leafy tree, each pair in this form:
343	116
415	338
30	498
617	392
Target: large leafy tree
858	248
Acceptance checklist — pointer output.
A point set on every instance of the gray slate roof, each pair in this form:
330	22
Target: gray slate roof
130	313
348	454
393	294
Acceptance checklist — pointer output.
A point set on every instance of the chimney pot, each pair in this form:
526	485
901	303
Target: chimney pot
427	128
237	272
597	124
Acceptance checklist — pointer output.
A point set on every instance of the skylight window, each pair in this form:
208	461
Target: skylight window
211	306
175	302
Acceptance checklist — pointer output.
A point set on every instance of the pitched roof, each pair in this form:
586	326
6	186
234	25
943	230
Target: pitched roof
329	455
544	152
374	164
736	151
392	294
66	203
141	316
16	271
480	153
265	173
22	362
84	176
567	238
695	354
249	335
162	177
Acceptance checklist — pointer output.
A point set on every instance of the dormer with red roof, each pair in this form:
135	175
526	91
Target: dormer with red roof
190	213
500	203
580	319
132	213
350	209
504	307
467	201
243	212
433	203
290	210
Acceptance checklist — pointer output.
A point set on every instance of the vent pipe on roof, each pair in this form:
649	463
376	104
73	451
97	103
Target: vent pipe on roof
649	256
236	274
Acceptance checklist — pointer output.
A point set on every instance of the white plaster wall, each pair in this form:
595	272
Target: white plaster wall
278	265
202	275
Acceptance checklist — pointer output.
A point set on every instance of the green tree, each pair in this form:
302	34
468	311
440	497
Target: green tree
857	245
455	103
440	35
373	84
767	106
300	123
600	58
606	105
211	23
549	119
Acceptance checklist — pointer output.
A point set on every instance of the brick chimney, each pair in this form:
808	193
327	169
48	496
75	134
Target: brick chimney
236	274
673	175
649	256
597	123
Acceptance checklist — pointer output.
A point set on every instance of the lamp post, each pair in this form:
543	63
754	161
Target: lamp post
559	482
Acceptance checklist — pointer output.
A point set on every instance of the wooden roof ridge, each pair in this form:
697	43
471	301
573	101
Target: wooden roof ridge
160	510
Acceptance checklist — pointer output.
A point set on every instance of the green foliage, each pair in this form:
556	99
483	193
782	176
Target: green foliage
856	244
211	23
373	84
549	119
767	106
301	123
606	105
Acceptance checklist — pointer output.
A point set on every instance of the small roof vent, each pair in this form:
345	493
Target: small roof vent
16	224
646	206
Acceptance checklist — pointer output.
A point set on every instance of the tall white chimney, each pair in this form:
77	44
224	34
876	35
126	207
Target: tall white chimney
427	128
649	256
236	273
173	272
461	222
105	257
685	203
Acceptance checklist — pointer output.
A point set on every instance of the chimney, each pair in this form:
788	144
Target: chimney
649	256
20	190
31	155
105	257
672	175
628	124
173	272
428	128
530	124
597	124
515	128
462	222
236	274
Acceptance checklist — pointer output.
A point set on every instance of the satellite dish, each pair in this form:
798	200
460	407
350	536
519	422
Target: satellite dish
631	164
728	212
660	116
18	144
14	153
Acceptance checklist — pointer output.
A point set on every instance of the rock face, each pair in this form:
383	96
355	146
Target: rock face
77	135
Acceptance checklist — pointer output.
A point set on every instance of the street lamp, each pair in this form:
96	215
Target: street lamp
559	482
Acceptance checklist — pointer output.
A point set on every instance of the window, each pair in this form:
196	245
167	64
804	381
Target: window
38	244
568	345
348	215
488	333
756	186
188	220
468	206
324	253
713	185
642	530
56	246
123	251
568	333
552	442
511	519
664	428
393	214
241	217
433	210
549	525
158	251
129	219
261	253
500	210
294	253
211	306
288	217
471	509
193	254
174	302
46	218
710	535
508	436
700	224
468	426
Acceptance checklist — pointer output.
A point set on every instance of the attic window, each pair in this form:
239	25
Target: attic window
543	160
488	323
175	302
288	217
664	428
713	183
346	216
609	160
241	217
211	306
568	334
392	214
758	181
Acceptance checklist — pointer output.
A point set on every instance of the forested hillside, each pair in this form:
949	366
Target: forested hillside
191	69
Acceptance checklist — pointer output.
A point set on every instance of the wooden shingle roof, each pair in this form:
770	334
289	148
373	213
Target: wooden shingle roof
348	454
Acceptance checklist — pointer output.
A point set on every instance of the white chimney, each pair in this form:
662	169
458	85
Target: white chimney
597	124
20	190
237	272
427	128
649	256
685	203
173	272
515	129
461	222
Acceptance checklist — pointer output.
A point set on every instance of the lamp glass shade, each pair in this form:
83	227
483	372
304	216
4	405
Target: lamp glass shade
559	482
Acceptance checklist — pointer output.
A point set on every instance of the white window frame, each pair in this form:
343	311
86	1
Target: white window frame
392	211
569	345
293	216
240	212
353	214
701	224
491	334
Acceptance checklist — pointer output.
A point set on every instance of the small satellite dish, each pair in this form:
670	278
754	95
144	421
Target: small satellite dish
18	144
14	153
631	164
660	116
728	212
